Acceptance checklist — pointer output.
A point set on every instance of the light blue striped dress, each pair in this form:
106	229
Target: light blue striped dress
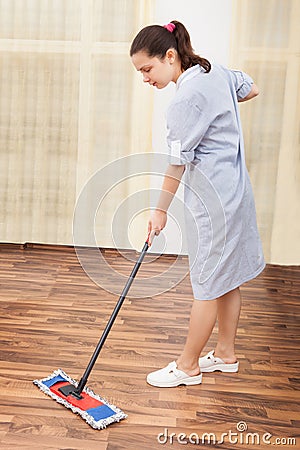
205	134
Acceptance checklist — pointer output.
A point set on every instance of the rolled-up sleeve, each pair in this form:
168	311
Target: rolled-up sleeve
242	82
187	123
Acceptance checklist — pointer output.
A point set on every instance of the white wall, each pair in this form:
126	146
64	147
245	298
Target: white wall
208	22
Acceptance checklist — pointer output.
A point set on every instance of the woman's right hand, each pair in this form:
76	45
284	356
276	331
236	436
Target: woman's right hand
156	223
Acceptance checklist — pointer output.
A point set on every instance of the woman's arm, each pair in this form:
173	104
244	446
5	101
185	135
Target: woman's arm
170	185
253	93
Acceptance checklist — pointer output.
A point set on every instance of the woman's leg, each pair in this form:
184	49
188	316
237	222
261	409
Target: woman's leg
229	307
202	320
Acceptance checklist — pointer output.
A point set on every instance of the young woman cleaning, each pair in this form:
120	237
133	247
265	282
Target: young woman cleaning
204	136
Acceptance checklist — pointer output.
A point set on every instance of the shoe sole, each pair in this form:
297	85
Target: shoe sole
229	368
186	382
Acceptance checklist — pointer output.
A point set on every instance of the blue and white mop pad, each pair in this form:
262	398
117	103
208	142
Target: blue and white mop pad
95	410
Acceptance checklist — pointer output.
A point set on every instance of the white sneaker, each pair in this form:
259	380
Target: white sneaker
170	376
210	363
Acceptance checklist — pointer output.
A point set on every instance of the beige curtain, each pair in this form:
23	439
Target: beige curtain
68	93
266	44
70	103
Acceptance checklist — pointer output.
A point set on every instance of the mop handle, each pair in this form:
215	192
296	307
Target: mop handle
107	329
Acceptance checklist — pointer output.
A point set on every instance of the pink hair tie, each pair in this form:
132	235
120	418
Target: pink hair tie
170	27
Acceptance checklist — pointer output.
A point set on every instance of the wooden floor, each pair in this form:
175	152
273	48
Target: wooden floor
52	316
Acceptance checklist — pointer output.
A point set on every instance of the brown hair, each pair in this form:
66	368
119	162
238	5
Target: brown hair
155	40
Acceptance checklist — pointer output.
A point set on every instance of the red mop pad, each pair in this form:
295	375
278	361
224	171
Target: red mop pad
95	410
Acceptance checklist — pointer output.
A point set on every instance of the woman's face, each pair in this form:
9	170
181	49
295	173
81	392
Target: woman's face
157	72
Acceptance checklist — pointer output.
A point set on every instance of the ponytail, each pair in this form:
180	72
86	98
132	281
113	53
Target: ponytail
155	40
185	50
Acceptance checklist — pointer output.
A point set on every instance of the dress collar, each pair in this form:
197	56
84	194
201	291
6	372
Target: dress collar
188	74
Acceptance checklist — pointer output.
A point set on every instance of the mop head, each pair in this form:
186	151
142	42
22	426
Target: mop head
96	411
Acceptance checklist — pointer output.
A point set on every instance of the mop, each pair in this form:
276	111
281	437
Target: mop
95	410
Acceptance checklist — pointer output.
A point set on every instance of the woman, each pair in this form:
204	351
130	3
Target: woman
205	142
